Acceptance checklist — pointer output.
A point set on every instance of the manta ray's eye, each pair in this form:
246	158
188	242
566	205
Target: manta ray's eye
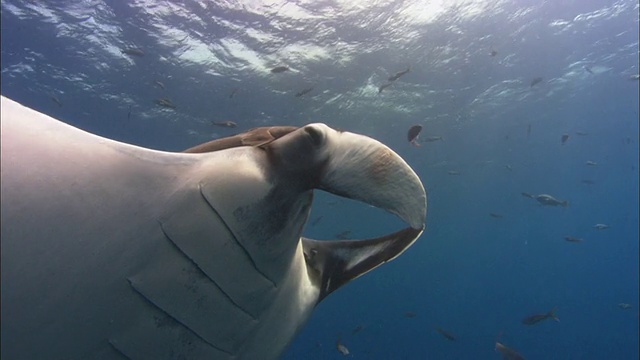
315	135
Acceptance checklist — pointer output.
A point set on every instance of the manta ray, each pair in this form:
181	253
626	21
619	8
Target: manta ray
115	251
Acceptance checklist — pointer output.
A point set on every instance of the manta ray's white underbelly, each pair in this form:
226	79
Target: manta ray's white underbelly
97	261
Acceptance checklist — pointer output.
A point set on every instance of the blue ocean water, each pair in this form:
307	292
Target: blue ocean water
471	82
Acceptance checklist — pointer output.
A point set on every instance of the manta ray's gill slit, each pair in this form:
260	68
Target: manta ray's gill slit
204	274
156	306
235	238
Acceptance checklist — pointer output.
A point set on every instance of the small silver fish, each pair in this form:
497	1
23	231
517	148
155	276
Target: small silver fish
397	75
572	239
383	86
508	353
56	100
356	330
535	81
534	319
132	51
165	102
412	134
446	334
304	91
546	199
341	348
228	124
279	69
601	226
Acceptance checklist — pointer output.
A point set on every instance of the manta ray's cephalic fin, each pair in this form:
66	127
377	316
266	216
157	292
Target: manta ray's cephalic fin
334	263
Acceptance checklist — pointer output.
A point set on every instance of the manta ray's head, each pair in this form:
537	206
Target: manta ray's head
295	161
352	166
346	164
360	168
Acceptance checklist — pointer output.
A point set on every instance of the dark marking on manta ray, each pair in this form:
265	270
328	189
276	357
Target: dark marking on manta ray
201	272
235	237
280	219
154	305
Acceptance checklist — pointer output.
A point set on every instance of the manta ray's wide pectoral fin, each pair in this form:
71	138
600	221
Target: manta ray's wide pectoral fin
255	137
332	264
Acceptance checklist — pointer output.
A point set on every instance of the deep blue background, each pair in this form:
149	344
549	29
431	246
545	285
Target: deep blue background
471	274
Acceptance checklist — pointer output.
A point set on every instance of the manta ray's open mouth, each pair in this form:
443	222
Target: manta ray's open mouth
345	255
